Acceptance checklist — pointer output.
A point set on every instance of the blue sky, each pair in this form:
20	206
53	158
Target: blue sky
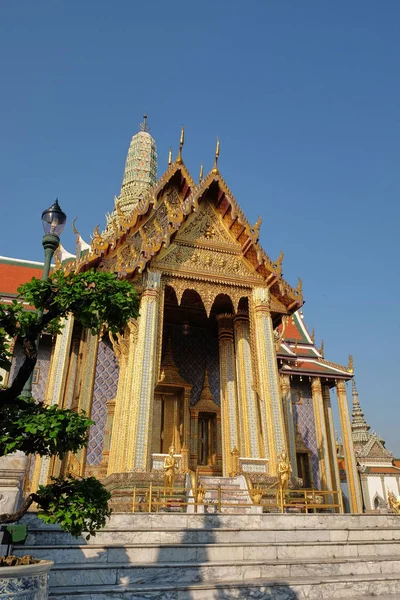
305	98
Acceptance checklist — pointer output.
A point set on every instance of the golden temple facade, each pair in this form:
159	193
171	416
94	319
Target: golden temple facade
219	365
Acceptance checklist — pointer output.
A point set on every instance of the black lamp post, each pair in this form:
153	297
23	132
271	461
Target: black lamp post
53	221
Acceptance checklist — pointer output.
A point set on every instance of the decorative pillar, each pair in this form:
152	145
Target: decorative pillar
229	412
141	389
289	421
247	399
107	436
353	480
124	347
330	431
321	434
194	438
268	379
54	393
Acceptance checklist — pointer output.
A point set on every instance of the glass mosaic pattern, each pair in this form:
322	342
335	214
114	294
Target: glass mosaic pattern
303	415
192	353
105	388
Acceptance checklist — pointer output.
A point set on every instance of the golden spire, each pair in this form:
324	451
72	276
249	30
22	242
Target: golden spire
313	336
351	364
321	350
143	125
215	168
181	142
170	157
201	173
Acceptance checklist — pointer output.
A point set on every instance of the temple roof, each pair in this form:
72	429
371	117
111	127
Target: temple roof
133	240
14	272
299	355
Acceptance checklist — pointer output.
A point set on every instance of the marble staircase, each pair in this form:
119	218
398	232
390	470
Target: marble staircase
233	491
224	556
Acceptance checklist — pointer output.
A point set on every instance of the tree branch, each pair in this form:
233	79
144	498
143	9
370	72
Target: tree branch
12	517
29	346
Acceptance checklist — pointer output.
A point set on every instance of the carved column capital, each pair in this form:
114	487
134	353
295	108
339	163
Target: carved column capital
225	326
285	382
261	299
316	385
341	386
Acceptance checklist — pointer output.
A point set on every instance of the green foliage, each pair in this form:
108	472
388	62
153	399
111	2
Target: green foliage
76	505
95	298
39	429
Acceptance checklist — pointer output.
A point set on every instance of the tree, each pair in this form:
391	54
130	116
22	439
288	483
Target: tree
97	301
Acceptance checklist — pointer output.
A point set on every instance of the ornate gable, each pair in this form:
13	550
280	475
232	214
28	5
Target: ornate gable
205	217
205	247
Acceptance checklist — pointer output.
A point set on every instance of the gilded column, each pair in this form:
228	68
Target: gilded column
55	392
330	431
229	405
321	434
289	421
353	480
141	391
247	399
124	347
107	436
268	379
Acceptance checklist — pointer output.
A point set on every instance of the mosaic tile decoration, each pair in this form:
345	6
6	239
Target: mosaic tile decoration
43	364
105	388
191	354
303	414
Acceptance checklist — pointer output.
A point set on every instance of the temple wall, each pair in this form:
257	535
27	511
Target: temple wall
303	415
192	353
105	388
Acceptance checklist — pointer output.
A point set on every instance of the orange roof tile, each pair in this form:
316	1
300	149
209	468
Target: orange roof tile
15	272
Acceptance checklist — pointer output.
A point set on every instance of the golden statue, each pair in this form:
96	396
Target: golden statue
201	492
170	467
393	501
284	471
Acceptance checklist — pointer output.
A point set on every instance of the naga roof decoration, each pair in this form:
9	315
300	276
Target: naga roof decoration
299	355
136	238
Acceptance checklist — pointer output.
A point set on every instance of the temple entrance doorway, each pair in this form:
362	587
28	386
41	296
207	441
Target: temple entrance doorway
304	468
207	438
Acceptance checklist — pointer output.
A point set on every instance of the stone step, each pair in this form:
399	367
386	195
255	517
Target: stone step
196	553
50	537
159	521
164	573
362	587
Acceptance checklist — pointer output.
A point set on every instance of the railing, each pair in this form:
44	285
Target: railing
156	498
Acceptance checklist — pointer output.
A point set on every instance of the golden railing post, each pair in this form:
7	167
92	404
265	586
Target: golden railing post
219	498
134	499
150	495
340	494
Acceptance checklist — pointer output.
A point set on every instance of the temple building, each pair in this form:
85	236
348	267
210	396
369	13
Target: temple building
379	470
220	364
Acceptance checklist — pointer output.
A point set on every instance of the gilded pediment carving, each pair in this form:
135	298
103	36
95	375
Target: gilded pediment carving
205	228
190	259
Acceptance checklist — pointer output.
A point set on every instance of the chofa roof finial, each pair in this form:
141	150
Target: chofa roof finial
179	160
215	168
